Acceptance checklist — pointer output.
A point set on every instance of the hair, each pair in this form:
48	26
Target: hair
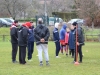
16	21
40	20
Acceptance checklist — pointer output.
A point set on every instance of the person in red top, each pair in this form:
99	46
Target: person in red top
66	40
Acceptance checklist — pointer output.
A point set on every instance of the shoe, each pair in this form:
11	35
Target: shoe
80	61
47	63
72	56
66	54
15	61
58	57
41	64
30	60
73	62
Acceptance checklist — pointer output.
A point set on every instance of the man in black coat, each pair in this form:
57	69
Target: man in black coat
22	41
79	41
41	36
14	40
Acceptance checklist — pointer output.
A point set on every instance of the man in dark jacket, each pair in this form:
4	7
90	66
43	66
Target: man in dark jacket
41	36
56	39
14	40
22	41
79	41
30	43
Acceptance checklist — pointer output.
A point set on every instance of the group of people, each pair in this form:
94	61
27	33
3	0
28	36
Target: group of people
22	37
25	36
69	38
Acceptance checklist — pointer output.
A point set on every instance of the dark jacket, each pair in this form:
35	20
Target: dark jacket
56	35
80	36
31	35
71	40
23	36
14	34
41	32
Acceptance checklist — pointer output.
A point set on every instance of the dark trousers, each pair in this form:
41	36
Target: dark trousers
79	49
30	49
72	51
57	48
14	51
22	54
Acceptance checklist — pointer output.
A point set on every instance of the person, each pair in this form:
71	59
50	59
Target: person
30	42
14	40
79	41
56	39
22	41
71	41
66	39
62	36
41	36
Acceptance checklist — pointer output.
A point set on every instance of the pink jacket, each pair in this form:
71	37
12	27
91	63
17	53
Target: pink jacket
66	37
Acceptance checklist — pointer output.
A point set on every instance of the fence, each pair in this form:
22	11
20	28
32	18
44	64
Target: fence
95	38
4	38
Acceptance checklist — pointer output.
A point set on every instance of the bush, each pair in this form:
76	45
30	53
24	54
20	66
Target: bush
23	20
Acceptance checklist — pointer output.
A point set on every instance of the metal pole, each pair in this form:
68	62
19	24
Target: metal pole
45	12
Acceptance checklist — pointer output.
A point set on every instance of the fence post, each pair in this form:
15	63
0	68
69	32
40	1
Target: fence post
3	37
99	37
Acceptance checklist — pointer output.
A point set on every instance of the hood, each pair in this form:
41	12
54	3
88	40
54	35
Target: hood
64	26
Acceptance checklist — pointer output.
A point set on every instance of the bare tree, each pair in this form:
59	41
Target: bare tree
87	8
14	8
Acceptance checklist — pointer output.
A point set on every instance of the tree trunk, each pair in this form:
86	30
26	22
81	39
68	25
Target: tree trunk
92	25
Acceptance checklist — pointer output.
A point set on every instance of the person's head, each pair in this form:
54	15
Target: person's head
28	24
40	21
64	25
15	22
32	23
67	29
56	25
73	25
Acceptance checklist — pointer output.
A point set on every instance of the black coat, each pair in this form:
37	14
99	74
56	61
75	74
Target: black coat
41	32
80	36
14	34
23	36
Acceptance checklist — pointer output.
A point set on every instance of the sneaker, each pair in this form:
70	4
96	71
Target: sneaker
62	53
80	61
58	57
47	63
73	62
30	60
15	61
41	64
72	56
66	54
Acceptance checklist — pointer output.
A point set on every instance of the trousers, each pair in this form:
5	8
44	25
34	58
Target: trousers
14	51
42	48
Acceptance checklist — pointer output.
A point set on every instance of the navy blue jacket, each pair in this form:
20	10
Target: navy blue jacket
71	41
31	35
55	34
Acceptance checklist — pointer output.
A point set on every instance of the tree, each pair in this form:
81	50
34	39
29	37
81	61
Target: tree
87	8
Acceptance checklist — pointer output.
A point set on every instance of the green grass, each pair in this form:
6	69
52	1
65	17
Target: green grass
60	66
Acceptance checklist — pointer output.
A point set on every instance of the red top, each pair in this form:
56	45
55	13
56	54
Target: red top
66	37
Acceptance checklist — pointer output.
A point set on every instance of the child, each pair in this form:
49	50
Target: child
62	36
66	40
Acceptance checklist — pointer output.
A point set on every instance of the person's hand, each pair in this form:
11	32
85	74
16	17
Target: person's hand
78	43
42	40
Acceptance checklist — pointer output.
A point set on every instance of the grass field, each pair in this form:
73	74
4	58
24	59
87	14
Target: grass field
58	66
